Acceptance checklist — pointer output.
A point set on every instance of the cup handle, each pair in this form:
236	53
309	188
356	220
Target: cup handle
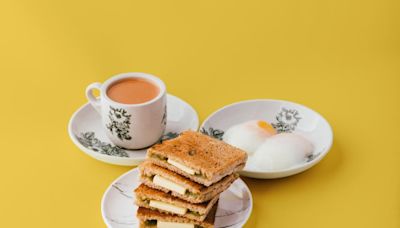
96	103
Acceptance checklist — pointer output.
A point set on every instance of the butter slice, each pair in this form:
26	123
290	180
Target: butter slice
161	224
168	207
181	166
161	181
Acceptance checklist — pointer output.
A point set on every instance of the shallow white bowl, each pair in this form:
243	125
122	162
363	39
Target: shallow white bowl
287	116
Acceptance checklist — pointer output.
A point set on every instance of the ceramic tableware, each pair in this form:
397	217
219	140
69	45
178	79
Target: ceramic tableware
86	131
131	126
118	208
285	116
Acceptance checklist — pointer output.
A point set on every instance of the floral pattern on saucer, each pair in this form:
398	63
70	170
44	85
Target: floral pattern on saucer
169	135
89	140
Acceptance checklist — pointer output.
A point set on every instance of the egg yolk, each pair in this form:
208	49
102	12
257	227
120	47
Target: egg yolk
266	126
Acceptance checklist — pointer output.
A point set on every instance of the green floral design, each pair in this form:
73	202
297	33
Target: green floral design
287	120
164	118
215	133
89	140
169	135
312	157
119	123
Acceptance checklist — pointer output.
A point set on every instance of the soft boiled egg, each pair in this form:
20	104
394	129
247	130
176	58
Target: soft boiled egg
248	136
282	151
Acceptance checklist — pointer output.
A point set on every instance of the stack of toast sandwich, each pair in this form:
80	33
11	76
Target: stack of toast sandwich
182	179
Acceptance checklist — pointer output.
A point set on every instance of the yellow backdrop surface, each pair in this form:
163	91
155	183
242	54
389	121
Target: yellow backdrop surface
339	57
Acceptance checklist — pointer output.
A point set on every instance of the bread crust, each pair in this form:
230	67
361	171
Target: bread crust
213	158
202	192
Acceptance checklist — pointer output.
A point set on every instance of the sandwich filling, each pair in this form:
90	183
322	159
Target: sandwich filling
162	224
170	185
178	165
169	207
182	167
160	182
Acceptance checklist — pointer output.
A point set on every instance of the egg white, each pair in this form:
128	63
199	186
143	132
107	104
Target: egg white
247	136
281	151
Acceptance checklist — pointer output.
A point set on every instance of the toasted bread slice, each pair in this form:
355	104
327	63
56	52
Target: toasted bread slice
195	193
152	198
200	158
149	218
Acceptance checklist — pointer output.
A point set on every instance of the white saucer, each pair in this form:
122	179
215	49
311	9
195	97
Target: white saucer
119	211
85	130
285	116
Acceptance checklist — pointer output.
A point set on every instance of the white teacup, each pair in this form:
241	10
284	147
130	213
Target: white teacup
131	126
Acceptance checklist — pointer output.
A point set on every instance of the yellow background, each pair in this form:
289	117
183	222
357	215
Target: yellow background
339	57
